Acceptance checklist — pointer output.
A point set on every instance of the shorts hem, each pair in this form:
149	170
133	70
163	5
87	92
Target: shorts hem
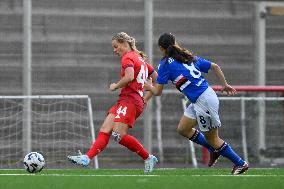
189	116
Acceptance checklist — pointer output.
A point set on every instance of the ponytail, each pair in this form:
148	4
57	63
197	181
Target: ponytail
174	50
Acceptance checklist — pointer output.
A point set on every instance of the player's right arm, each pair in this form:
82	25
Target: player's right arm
155	89
149	94
162	79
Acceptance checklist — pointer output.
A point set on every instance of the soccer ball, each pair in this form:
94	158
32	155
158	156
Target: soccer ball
34	162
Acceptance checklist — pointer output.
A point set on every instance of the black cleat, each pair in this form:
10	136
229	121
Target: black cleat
240	169
214	156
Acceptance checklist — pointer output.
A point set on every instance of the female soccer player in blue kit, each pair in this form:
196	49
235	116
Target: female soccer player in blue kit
184	70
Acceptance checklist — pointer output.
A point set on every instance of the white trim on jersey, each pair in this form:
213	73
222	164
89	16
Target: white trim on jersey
184	85
178	78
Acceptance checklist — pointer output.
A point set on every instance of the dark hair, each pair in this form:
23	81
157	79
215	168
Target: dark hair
174	50
122	36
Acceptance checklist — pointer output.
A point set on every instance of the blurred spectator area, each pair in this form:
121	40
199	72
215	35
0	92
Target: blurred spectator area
72	40
72	53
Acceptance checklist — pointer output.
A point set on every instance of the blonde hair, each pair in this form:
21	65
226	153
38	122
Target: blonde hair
124	37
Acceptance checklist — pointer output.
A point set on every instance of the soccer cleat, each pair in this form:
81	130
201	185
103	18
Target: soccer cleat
214	156
240	169
150	162
82	160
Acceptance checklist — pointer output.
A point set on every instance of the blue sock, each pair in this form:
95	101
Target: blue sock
226	151
199	138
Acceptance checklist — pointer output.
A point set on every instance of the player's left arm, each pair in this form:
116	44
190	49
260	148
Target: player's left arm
127	78
155	89
226	87
149	94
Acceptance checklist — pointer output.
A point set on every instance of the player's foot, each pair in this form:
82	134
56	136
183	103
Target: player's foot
150	162
214	156
82	160
240	169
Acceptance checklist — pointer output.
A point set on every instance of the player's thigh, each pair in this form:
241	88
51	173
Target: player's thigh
108	123
186	124
188	120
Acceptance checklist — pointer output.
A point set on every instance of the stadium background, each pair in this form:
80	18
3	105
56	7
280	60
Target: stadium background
72	54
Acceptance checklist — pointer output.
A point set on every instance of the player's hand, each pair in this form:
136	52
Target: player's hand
113	87
148	84
229	90
145	101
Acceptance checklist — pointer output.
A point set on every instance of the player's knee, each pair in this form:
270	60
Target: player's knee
116	136
183	131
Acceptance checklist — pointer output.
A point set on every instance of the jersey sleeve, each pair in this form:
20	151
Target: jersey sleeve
126	62
163	73
203	64
150	69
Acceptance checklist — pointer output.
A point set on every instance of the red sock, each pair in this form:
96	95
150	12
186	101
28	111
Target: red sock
134	145
99	145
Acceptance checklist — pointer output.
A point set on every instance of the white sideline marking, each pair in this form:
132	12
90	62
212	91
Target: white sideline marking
80	175
64	175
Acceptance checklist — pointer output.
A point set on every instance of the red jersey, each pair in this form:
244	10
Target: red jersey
134	90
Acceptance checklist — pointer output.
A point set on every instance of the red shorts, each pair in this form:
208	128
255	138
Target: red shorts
126	112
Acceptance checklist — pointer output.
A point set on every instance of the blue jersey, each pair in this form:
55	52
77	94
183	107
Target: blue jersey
186	77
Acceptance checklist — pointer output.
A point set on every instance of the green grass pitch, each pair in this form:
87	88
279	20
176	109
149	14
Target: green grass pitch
135	179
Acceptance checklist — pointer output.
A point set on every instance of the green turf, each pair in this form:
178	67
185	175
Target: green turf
136	179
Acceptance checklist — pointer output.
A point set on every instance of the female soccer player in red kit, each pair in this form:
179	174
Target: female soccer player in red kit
122	116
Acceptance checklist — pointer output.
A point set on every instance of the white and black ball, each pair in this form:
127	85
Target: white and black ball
34	162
